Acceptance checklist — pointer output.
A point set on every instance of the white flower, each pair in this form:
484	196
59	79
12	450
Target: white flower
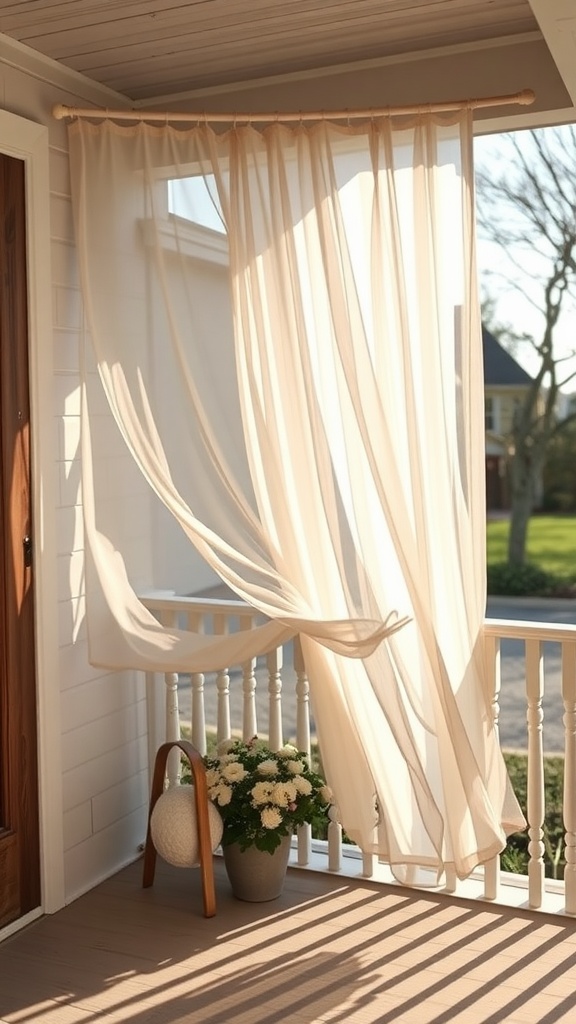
287	750
234	772
326	794
284	793
212	777
229	759
304	786
270	817
296	767
222	794
268	767
262	792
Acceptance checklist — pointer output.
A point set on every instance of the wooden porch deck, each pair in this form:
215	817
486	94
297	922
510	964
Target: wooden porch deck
331	949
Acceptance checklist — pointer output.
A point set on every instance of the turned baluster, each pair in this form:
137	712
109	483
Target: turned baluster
493	681
274	666
534	693
223	727
302	739
170	619
302	699
569	697
249	719
198	713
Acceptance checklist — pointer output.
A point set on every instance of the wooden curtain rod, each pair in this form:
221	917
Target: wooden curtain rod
523	98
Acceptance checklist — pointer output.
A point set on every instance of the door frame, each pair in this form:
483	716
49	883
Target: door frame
28	141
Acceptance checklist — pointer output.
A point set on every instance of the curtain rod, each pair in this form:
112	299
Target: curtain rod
524	98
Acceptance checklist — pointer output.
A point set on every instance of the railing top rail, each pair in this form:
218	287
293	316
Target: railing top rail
514	629
509	629
163	602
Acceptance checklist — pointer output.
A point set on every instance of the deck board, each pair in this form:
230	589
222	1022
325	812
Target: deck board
345	951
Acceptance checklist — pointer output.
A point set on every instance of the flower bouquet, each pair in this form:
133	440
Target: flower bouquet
263	795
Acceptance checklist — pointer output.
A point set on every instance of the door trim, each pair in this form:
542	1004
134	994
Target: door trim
28	141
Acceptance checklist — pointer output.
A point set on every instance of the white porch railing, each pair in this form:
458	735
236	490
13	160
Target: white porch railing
269	697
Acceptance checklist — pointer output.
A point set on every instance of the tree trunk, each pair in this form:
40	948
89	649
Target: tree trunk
521	510
523	471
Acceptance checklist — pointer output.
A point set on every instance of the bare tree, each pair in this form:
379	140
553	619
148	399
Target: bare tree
527	208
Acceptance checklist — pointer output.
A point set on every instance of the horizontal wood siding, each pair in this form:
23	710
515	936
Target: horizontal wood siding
104	754
103	724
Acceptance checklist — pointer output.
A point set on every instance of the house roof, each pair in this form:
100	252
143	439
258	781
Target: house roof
500	368
417	51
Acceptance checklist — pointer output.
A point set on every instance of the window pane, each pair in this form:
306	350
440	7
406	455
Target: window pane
196	199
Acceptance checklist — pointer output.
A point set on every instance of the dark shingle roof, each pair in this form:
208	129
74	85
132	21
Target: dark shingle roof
499	366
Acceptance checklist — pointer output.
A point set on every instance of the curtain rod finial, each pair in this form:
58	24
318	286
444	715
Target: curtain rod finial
526	97
59	111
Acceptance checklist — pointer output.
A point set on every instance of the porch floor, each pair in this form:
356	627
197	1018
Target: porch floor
330	949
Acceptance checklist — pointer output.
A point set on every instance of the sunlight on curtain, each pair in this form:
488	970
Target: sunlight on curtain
309	407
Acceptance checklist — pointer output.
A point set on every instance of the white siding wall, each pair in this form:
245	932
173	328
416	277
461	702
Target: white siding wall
104	749
104	744
177	566
104	757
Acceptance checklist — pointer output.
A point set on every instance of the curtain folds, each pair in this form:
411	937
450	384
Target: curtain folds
300	384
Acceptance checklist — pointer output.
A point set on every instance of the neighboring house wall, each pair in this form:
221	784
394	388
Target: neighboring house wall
505	388
503	404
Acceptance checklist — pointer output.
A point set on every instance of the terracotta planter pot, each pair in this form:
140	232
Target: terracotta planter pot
257	876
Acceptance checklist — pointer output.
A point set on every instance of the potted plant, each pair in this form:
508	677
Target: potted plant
262	796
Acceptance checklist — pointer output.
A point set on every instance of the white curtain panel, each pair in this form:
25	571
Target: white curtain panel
285	325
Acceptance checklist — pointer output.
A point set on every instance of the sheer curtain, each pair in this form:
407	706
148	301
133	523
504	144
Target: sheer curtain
302	389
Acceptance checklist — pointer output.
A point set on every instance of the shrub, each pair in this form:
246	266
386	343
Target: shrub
515	856
518	580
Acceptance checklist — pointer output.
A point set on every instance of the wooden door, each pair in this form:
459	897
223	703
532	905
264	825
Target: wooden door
19	825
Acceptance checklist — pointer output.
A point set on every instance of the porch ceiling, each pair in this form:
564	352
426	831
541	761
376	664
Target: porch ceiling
146	49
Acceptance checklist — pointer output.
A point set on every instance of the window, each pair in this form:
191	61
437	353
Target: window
489	413
200	230
196	199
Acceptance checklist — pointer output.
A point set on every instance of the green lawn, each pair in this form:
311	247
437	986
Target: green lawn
551	544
